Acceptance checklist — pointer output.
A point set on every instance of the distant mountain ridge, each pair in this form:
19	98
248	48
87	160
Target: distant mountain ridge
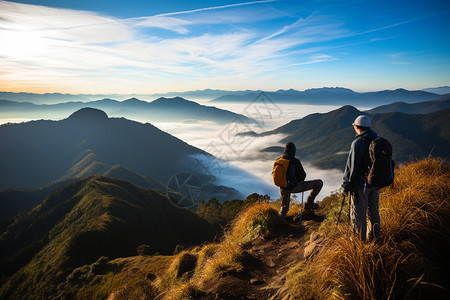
224	95
160	110
442	90
46	98
36	153
55	98
426	107
324	139
335	96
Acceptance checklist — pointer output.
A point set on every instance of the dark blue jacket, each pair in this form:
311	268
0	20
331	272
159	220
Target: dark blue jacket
357	162
295	172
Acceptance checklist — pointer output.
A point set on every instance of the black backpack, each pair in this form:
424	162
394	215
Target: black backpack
380	172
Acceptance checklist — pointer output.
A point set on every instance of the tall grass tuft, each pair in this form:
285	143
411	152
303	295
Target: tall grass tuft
180	270
411	258
257	219
228	255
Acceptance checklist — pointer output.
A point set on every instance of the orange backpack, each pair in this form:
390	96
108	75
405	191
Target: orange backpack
279	172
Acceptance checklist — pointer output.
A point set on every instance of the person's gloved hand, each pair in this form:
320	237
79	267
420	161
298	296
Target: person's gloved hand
343	192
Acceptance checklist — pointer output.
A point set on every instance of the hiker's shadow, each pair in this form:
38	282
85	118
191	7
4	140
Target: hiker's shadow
312	215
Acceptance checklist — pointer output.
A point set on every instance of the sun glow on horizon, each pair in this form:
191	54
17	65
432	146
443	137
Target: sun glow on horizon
253	45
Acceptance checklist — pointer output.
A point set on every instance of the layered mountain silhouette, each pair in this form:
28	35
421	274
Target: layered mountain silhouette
334	96
426	107
325	138
42	98
36	153
13	201
160	110
206	94
55	98
89	218
442	90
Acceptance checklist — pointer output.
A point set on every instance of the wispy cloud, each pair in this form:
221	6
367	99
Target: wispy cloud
398	59
247	41
217	7
225	14
86	47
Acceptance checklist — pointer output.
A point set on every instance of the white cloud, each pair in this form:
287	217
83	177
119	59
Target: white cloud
92	50
241	163
164	22
217	7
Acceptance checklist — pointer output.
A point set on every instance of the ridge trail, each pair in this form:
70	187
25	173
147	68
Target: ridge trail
267	263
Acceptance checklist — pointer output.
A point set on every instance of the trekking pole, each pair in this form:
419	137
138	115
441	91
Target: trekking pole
301	212
340	211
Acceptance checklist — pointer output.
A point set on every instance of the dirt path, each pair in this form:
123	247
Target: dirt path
267	263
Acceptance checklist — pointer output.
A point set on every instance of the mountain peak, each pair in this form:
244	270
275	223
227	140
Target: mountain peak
133	100
88	114
174	101
171	99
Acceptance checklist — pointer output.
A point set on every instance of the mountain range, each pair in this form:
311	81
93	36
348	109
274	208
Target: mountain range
13	201
443	102
325	139
206	94
335	96
37	153
160	110
83	221
55	98
442	90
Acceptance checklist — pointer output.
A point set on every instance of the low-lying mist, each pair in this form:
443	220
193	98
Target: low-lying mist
241	164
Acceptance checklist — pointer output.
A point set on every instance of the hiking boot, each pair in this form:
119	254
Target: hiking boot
311	206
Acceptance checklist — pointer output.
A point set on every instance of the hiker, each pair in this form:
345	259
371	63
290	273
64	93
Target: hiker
296	182
363	198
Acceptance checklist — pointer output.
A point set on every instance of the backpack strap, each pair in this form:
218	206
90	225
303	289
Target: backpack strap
366	139
366	158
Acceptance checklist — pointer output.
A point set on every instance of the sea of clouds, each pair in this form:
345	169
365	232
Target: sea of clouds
241	164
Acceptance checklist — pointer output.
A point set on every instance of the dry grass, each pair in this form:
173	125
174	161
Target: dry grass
415	214
256	220
229	254
419	201
347	269
179	271
410	259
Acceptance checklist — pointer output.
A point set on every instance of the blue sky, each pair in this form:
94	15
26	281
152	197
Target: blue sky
160	46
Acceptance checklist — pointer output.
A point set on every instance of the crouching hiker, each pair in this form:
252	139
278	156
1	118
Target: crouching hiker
290	176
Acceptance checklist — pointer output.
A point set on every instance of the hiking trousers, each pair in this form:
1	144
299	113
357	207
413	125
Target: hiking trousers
314	185
364	213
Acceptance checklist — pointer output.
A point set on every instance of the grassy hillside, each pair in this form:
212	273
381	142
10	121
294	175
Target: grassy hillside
259	255
14	201
83	221
410	261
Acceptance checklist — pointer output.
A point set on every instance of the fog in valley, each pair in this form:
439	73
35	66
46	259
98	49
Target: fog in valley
240	163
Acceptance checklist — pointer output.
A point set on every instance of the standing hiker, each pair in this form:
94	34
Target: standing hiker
296	183
363	198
